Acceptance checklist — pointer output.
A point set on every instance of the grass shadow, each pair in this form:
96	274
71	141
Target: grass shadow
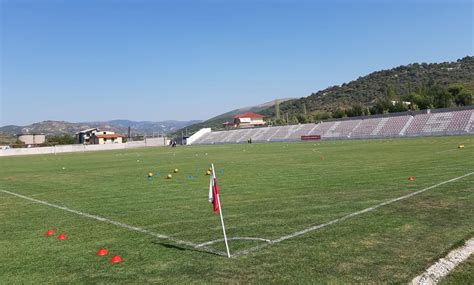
183	248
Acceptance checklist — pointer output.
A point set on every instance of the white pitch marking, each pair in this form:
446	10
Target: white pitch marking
234	238
105	220
317	227
444	265
447	150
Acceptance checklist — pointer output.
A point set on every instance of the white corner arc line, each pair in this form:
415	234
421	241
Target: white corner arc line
119	224
317	227
233	238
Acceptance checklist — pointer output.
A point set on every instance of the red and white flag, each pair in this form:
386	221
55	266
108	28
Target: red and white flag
213	192
214	199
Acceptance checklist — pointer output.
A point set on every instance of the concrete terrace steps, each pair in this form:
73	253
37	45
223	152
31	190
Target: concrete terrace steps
458	122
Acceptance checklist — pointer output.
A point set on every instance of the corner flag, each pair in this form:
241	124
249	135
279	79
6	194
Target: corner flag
216	205
213	192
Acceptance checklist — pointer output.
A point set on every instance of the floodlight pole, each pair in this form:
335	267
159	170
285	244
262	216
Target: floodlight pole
222	217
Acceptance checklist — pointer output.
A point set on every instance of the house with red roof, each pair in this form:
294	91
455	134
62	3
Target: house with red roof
246	120
105	137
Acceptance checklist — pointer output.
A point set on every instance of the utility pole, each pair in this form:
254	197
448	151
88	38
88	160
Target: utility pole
277	109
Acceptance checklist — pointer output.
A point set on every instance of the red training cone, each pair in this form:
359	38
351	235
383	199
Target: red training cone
115	259
49	232
101	252
410	178
61	237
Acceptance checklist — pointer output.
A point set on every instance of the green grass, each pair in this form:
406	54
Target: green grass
267	191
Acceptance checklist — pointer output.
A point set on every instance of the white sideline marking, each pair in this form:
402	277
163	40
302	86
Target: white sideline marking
444	265
317	227
234	238
119	224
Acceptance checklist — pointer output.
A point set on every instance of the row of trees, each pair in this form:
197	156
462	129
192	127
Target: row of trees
61	139
423	97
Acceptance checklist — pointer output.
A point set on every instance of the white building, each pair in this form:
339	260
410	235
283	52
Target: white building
32	139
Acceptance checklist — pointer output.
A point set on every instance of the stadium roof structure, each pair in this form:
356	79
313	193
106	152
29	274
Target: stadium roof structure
87	130
248	115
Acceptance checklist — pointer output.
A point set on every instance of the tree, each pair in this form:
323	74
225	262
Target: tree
319	116
293	120
382	106
279	121
277	109
339	113
464	98
390	93
367	111
455	88
444	100
413	97
61	139
355	110
302	118
398	107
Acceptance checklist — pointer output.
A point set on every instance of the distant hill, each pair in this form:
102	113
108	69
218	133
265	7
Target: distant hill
118	126
400	81
390	84
217	121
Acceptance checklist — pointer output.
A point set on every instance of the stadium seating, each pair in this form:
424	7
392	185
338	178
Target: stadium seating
462	121
424	124
341	129
366	128
394	126
470	124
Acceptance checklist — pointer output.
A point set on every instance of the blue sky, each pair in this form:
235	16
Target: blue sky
158	60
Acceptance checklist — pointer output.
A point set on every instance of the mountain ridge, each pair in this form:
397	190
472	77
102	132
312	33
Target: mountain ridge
51	127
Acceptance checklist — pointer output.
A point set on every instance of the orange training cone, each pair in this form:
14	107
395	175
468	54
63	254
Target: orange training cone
61	237
115	259
101	252
49	232
410	178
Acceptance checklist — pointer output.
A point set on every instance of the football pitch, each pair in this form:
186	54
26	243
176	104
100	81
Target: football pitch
305	212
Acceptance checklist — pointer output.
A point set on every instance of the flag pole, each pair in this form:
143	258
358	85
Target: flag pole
222	217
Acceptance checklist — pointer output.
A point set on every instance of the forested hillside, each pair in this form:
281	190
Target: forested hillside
407	87
434	85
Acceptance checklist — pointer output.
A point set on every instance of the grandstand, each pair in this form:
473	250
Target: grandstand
422	123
